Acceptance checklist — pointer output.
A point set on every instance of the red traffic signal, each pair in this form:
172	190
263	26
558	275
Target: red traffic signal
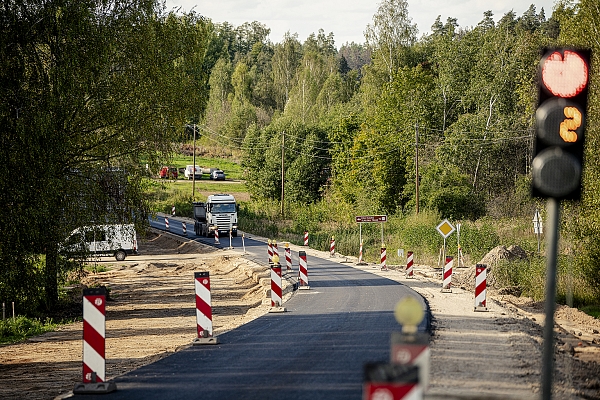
560	124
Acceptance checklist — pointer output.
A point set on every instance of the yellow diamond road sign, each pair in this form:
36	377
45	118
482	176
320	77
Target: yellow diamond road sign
445	228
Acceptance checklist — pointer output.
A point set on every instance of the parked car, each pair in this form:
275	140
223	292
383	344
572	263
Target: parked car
168	173
189	172
217	175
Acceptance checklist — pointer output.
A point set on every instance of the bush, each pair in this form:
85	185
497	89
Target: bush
20	328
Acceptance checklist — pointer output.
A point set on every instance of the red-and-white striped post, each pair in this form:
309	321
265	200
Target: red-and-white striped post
360	253
270	251
409	264
288	257
217	236
332	247
480	287
303	271
94	361
447	282
173	210
383	258
275	250
167	223
184	228
306	238
204	325
276	291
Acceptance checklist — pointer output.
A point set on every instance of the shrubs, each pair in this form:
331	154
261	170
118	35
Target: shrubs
18	329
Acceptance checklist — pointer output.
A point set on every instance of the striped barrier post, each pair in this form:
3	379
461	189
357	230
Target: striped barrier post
244	242
270	251
94	362
173	210
480	287
332	247
409	264
306	238
204	324
383	381
303	270
275	250
230	239
383	258
360	253
288	257
184	228
412	349
276	291
447	282
166	223
217	236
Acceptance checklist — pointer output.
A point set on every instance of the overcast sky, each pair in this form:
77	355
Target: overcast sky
347	19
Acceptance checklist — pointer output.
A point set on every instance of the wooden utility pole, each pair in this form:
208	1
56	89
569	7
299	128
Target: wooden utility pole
282	172
194	168
417	166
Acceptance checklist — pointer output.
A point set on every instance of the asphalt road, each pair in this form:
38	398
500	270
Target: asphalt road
315	350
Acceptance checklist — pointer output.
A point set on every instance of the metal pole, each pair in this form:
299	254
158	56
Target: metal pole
282	172
194	168
244	243
13	307
381	233
551	257
360	231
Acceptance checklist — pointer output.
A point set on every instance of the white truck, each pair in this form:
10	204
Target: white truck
115	240
219	212
190	171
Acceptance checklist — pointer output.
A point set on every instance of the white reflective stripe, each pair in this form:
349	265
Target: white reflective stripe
93	360
415	394
410	258
480	278
202	291
203	321
275	298
480	297
275	278
303	277
93	316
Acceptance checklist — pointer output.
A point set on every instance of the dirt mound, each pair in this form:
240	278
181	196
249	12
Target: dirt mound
499	253
466	278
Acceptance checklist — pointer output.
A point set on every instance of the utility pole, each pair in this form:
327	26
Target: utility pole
282	172
417	166
194	167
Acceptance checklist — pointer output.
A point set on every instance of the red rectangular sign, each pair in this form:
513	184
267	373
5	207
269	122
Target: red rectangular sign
372	218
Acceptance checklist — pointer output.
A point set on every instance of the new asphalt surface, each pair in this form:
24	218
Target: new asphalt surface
315	350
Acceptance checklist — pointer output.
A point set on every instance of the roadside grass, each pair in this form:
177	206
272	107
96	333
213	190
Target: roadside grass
232	169
593	310
13	330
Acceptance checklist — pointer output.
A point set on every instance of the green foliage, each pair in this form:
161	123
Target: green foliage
13	330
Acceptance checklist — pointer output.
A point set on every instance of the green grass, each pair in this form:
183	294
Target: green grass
593	310
20	328
232	170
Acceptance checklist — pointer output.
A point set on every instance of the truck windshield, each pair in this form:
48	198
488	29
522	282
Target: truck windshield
223	208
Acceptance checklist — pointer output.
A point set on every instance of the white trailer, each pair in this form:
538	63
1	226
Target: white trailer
114	240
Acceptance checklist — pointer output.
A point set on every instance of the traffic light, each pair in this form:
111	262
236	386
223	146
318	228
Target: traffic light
560	124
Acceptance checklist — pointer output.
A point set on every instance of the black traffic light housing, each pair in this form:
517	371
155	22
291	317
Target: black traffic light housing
557	164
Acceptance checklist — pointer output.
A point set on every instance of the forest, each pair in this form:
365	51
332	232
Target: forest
93	91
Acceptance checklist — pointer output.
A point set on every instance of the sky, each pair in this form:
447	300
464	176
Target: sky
347	19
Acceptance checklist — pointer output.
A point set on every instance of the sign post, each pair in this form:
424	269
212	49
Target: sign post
445	228
537	226
369	218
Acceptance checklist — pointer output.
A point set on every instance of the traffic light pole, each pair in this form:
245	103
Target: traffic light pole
551	260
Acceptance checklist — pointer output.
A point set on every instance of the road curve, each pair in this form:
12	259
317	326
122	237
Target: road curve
315	350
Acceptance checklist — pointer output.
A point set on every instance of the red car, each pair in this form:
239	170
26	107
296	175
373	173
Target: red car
168	173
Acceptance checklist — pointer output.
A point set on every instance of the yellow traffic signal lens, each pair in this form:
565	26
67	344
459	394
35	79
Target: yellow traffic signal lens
569	126
565	76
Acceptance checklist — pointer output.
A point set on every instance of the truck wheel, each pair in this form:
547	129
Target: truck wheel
120	255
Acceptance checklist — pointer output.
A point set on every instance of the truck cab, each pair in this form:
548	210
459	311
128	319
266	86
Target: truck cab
219	212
